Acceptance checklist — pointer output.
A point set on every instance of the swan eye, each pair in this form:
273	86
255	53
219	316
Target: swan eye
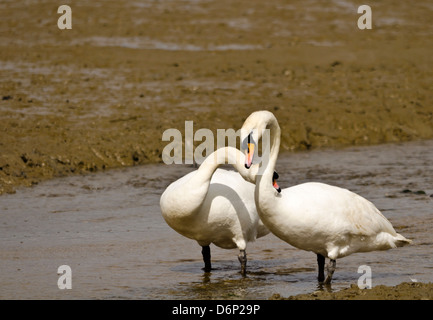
250	150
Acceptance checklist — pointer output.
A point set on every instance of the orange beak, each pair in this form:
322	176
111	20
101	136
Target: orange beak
274	182
276	186
249	153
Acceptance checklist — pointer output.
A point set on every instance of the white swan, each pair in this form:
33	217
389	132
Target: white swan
216	206
329	221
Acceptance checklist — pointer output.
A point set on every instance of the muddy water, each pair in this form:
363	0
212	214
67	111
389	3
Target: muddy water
107	227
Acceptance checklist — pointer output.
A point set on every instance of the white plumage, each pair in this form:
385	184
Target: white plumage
216	206
330	221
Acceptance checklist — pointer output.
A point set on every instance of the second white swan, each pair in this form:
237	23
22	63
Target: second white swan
216	206
330	221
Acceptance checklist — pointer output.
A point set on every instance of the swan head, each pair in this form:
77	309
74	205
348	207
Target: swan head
255	127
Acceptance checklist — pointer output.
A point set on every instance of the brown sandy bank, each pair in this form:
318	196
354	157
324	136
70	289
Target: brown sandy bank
403	291
100	95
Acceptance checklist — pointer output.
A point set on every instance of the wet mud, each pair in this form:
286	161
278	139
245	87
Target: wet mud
101	94
108	228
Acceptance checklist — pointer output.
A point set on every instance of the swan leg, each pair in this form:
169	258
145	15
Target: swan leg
321	264
205	251
330	268
243	260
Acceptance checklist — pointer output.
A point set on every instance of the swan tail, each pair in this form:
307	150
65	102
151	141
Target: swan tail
401	241
387	240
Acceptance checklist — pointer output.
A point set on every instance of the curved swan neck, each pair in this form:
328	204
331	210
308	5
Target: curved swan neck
226	155
265	193
267	166
184	197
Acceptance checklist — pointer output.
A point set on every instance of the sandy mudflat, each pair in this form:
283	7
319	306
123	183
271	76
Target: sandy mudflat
100	95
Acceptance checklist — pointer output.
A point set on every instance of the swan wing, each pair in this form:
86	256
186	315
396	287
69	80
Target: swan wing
337	210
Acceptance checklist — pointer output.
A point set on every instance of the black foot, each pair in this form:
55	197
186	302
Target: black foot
205	251
321	264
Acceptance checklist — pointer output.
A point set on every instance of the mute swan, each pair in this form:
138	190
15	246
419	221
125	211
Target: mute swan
329	221
216	206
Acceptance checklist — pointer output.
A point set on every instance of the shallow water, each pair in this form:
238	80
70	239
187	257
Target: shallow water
108	228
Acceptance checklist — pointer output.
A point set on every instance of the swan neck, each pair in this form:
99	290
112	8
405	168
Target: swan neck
265	193
270	160
193	192
226	155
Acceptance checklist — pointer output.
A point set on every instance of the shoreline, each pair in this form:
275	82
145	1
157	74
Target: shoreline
35	168
402	291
